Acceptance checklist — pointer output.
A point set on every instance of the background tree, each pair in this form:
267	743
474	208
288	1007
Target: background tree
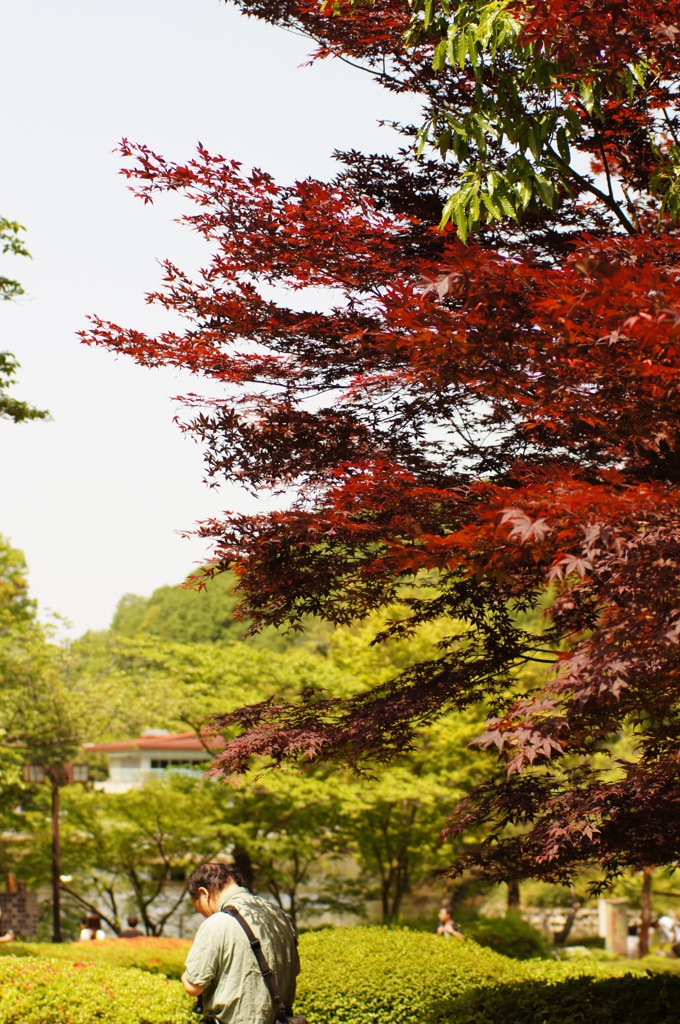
17	619
140	842
392	822
177	613
16	607
11	243
178	685
125	852
289	832
43	712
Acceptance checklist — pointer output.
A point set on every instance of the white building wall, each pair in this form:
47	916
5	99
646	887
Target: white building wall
130	769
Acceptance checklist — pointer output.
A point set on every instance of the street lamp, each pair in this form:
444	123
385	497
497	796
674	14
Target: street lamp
58	775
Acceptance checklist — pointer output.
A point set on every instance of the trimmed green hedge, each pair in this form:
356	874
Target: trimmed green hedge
37	990
379	976
156	956
388	976
349	976
630	999
509	935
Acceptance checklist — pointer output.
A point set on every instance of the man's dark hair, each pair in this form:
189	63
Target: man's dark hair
133	920
212	877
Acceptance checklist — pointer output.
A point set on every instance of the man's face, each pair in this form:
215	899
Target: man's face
205	902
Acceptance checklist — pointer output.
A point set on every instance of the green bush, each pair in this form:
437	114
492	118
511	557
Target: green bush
388	976
510	935
349	976
37	990
656	963
587	953
156	956
380	976
629	999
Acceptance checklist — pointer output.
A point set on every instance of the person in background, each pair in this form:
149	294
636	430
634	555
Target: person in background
8	935
132	931
669	934
92	929
447	926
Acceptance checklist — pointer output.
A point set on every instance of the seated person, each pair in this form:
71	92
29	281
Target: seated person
132	931
92	929
8	935
447	926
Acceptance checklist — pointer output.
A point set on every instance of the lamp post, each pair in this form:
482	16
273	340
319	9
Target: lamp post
57	775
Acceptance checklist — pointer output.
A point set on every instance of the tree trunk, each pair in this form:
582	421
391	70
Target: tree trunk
385	900
292	909
513	894
244	864
561	937
645	911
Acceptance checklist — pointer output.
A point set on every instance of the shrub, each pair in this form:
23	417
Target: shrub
156	956
380	976
387	976
349	976
586	953
36	990
629	999
657	963
510	935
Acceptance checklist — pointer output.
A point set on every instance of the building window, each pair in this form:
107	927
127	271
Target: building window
160	764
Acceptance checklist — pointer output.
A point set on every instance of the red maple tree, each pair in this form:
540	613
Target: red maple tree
495	423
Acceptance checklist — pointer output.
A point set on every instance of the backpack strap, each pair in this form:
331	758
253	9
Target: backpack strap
267	973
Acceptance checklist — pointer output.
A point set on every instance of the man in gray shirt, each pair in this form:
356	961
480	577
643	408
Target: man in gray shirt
221	966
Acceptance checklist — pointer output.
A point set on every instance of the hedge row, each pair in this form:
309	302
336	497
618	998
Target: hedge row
38	990
375	976
510	935
349	976
630	999
156	956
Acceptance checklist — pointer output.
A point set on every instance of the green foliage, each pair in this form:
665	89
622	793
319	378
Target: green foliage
290	830
364	975
47	708
127	846
16	607
509	935
349	976
13	408
155	956
660	964
393	822
531	106
44	717
167	684
548	998
183	614
485	38
11	243
47	991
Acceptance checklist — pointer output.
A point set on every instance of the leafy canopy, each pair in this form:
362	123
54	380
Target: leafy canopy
11	243
491	405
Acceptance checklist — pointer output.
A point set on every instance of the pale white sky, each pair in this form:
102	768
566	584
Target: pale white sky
96	496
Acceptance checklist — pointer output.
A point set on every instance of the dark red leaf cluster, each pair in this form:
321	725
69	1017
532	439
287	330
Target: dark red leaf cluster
501	420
